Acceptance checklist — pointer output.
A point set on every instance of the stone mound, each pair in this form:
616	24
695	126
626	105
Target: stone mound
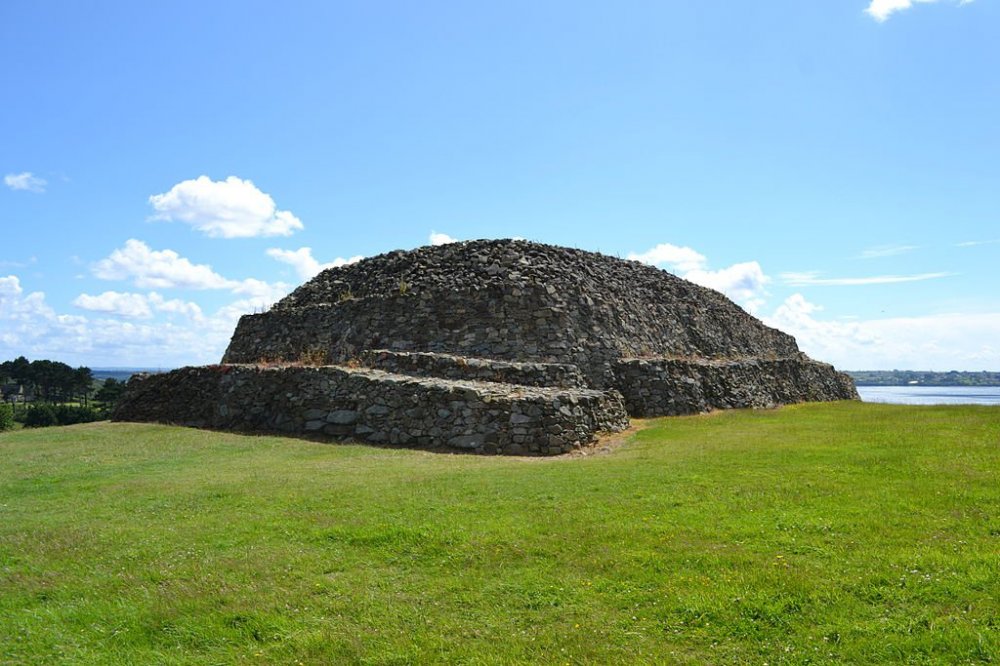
502	318
506	299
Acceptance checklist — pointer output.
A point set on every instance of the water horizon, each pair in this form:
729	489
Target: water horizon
931	395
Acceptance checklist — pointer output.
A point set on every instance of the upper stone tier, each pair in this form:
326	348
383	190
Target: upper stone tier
506	299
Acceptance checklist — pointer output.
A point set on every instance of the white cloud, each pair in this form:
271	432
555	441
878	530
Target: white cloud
680	259
10	286
29	326
744	282
136	306
263	293
978	243
116	303
812	279
15	306
305	265
157	269
175	306
25	181
437	238
886	251
880	10
955	341
165	269
230	208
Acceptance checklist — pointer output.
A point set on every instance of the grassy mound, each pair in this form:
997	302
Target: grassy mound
816	533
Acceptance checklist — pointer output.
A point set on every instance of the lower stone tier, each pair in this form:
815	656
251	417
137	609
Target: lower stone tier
449	366
376	406
668	387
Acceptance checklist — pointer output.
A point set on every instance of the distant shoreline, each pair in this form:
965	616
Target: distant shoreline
923	378
122	374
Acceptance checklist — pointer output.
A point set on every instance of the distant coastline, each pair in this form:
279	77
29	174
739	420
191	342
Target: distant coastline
931	395
923	378
122	374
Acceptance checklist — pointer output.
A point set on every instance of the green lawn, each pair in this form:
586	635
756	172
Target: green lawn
844	532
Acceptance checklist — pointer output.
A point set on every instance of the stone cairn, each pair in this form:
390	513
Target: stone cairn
494	346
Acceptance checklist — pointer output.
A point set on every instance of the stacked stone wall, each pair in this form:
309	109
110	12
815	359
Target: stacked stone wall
666	387
510	300
375	406
450	366
487	346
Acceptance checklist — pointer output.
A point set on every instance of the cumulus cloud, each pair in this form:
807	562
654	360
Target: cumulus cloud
743	282
116	303
29	326
813	279
175	306
437	238
951	341
680	259
25	181
165	269
10	286
880	10
263	293
15	306
305	265
136	306
230	208
157	269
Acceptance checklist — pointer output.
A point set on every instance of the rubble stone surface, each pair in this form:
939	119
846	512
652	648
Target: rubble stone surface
377	406
494	346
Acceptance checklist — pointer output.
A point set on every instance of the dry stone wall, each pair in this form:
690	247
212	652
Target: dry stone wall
668	387
489	346
375	406
510	300
450	366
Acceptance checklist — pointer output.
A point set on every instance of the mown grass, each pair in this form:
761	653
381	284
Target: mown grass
845	532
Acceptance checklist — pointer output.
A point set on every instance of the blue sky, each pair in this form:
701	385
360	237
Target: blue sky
832	166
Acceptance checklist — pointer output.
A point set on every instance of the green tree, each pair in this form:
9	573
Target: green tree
83	384
110	392
18	370
53	380
6	417
41	416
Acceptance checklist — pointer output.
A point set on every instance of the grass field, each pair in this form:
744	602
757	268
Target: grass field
844	533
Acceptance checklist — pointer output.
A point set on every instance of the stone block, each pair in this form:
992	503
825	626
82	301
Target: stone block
342	416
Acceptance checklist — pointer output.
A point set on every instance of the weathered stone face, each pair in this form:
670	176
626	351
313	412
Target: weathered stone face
513	322
379	407
510	300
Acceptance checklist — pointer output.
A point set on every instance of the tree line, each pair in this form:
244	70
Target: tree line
44	392
923	378
48	381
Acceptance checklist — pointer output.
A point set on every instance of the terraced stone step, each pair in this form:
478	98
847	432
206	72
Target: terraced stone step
377	406
450	366
673	386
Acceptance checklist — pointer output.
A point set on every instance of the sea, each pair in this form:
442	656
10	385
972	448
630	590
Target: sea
931	395
121	374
